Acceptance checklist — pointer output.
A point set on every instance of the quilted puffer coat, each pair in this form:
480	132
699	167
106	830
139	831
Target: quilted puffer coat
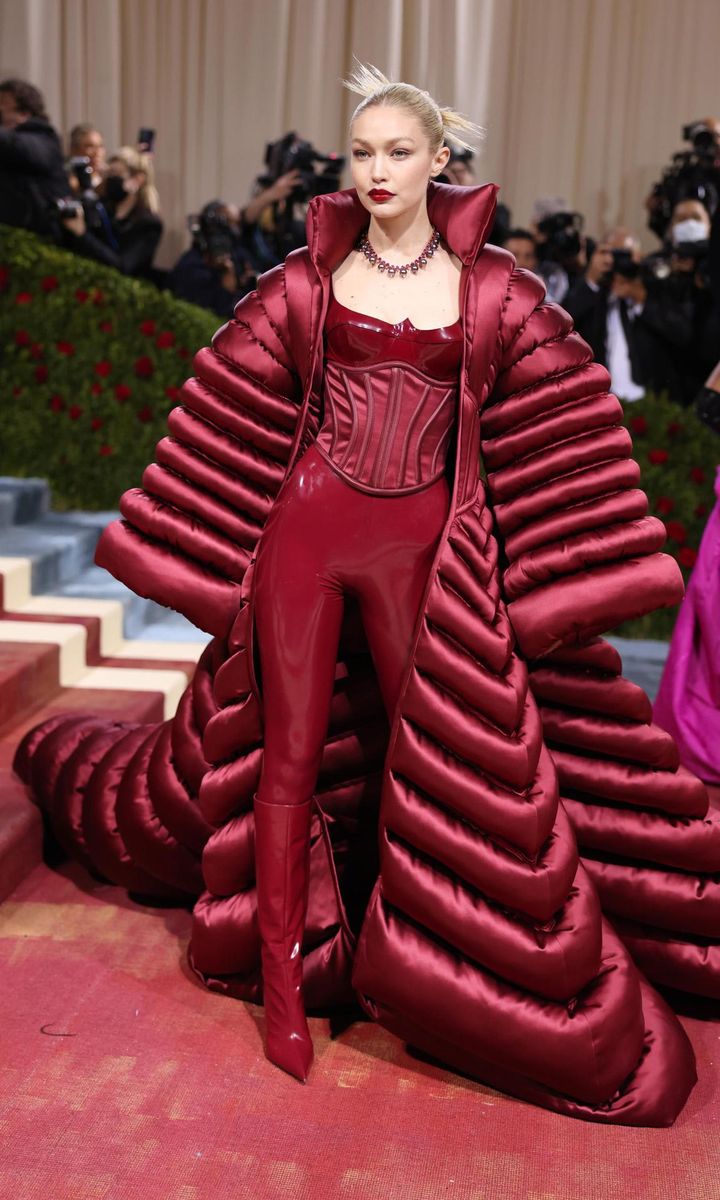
447	892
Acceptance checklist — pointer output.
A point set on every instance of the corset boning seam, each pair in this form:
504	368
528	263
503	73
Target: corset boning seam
377	491
396	423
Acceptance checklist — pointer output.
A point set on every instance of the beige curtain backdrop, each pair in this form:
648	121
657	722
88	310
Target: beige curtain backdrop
584	98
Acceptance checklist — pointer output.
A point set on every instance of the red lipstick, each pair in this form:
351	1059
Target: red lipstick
380	194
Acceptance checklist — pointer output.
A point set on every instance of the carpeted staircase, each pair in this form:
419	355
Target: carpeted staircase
72	639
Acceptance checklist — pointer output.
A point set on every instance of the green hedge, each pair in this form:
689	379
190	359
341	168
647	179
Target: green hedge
94	361
678	456
91	366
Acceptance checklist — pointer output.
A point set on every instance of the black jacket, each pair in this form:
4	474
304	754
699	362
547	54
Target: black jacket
193	279
137	237
32	176
658	338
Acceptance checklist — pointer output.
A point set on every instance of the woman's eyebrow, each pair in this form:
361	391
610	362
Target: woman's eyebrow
389	142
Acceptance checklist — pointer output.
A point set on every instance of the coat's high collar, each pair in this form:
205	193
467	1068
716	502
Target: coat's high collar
463	215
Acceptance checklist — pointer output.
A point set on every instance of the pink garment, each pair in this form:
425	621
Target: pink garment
390	398
688	700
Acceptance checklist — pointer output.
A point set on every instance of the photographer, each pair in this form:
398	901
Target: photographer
273	221
561	247
216	271
638	324
521	244
87	142
128	196
32	175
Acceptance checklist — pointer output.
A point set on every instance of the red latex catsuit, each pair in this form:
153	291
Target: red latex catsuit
360	514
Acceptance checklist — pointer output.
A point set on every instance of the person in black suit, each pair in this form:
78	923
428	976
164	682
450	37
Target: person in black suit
32	174
639	323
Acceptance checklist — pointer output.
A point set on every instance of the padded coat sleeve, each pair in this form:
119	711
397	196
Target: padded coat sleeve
582	553
188	533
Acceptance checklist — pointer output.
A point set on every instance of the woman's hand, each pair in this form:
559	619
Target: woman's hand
76	224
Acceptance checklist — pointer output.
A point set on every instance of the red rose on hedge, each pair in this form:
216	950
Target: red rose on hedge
57	403
673	429
49	283
22	338
36	350
164	339
23	298
701	510
665	504
75	412
144	367
4	278
66	348
98	296
697	474
676	530
103	368
81	295
638	424
687	556
17	391
41	374
145	414
122	392
97	423
148	328
172	393
96	389
105	450
658	457
105	326
183	352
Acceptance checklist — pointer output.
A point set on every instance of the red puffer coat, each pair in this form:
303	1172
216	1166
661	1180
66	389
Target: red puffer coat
477	935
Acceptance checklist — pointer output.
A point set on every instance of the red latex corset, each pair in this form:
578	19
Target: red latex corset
390	396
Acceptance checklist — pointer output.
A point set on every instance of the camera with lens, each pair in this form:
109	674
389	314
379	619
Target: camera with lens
562	236
291	153
212	233
68	207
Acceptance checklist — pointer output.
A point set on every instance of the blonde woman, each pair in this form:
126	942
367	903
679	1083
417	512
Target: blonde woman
360	758
129	239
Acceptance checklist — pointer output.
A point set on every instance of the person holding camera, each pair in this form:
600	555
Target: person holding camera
32	174
635	321
216	271
86	142
562	249
129	196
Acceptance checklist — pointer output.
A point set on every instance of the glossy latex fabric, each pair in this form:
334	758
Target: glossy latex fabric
482	940
390	398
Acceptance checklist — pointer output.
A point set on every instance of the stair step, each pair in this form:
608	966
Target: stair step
98	584
58	550
29	498
29	675
7	510
21	833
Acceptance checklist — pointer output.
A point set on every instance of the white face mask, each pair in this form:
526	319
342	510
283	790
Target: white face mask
691	230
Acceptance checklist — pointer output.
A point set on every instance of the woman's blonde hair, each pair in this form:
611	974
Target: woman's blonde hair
147	195
440	123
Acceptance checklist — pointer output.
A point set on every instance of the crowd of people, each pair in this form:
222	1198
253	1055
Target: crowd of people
653	320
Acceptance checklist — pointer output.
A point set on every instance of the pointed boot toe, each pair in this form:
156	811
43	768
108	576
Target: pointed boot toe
291	1051
282	844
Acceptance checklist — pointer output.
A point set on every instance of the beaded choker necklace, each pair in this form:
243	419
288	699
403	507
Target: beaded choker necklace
393	269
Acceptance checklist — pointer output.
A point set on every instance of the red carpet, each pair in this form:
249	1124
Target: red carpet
161	1091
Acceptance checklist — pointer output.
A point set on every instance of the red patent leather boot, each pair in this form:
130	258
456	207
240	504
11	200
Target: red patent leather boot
282	844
